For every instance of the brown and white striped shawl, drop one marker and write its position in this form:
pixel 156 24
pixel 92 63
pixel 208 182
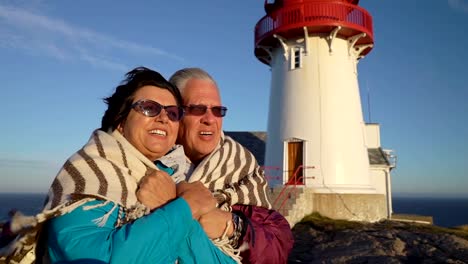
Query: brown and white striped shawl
pixel 233 174
pixel 108 167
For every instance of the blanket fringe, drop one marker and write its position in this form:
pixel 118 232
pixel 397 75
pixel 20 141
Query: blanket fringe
pixel 223 244
pixel 101 221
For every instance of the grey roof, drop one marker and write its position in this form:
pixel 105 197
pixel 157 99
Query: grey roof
pixel 377 157
pixel 255 142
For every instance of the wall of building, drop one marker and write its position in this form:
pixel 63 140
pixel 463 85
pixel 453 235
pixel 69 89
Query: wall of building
pixel 318 102
pixel 372 135
pixel 297 202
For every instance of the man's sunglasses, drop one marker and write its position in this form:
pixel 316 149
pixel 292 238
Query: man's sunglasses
pixel 198 110
pixel 151 109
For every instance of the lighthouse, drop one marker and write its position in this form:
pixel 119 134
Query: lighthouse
pixel 316 132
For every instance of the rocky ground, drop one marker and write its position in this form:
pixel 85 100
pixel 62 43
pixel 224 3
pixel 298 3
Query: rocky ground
pixel 321 240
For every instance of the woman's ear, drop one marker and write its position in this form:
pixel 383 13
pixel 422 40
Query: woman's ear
pixel 120 127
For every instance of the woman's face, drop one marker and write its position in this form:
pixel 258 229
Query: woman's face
pixel 152 136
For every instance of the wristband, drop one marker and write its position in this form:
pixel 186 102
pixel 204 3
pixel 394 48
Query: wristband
pixel 238 226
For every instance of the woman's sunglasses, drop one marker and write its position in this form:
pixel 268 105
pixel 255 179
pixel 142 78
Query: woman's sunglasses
pixel 151 109
pixel 198 110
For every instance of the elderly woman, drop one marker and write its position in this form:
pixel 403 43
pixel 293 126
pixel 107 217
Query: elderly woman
pixel 92 214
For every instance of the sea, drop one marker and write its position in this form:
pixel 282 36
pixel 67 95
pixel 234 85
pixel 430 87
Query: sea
pixel 446 212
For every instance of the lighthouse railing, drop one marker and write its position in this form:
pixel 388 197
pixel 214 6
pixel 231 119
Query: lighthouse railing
pixel 289 189
pixel 310 14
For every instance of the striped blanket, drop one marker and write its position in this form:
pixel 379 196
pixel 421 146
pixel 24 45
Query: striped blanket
pixel 109 168
pixel 233 174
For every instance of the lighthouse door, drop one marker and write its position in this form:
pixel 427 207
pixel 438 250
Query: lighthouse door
pixel 295 160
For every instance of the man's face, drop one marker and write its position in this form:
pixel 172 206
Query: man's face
pixel 200 133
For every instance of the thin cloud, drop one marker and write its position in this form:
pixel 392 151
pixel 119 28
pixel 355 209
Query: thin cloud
pixel 95 61
pixel 41 35
pixel 459 5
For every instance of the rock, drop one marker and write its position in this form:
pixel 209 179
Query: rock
pixel 319 241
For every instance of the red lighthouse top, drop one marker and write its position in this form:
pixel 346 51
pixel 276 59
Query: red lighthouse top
pixel 270 5
pixel 288 18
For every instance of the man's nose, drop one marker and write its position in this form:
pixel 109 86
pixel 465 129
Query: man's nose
pixel 208 117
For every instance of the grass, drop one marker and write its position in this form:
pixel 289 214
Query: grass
pixel 323 223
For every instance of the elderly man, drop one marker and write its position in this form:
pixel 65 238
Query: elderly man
pixel 231 172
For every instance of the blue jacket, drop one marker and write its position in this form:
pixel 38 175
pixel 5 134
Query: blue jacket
pixel 167 234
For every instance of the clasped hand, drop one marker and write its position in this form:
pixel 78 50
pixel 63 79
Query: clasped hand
pixel 157 188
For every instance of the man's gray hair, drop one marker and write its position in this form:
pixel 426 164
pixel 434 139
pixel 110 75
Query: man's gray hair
pixel 180 77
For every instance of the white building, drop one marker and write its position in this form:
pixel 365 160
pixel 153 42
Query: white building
pixel 315 123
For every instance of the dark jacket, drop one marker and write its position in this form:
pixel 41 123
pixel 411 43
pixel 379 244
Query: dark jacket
pixel 268 235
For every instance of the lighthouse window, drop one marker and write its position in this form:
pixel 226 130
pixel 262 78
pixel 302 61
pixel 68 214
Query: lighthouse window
pixel 296 58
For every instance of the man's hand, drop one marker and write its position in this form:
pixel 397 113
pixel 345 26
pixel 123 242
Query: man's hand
pixel 156 189
pixel 199 198
pixel 214 223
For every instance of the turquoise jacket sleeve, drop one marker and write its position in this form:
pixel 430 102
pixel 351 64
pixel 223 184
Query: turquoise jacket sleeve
pixel 75 236
pixel 163 236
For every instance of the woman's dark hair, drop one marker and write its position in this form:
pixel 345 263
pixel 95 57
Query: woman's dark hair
pixel 119 104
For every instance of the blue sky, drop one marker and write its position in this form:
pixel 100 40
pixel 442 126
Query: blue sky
pixel 60 58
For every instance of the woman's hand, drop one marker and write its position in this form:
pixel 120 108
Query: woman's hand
pixel 156 189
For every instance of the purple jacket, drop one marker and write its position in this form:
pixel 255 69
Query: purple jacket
pixel 268 235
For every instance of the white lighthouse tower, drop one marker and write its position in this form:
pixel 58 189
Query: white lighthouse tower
pixel 315 121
